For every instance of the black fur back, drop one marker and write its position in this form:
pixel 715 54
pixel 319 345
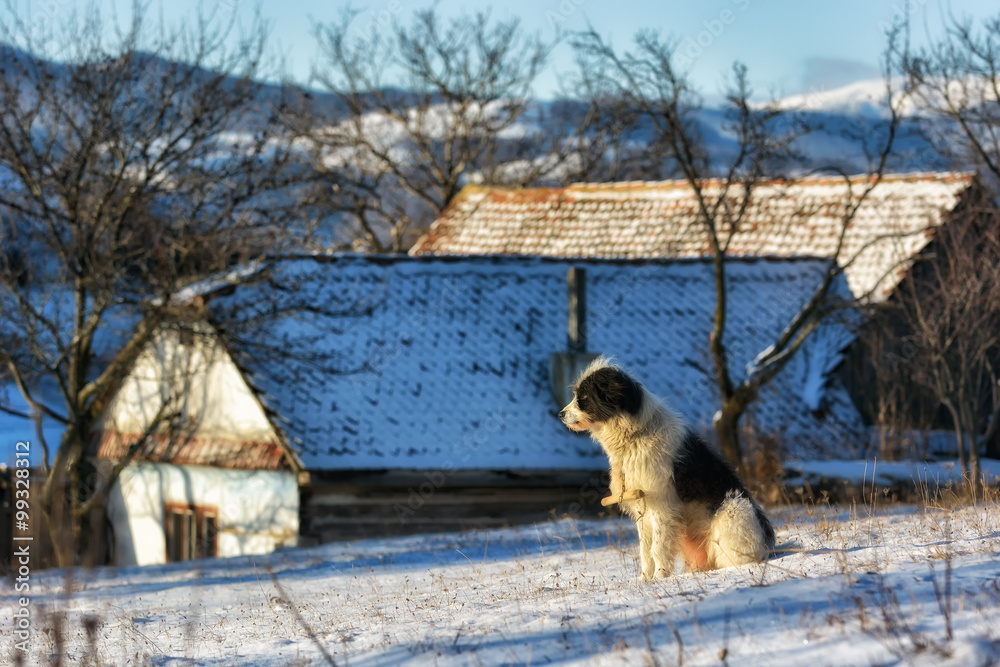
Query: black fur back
pixel 702 475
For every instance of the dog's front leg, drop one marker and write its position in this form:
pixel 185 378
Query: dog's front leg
pixel 664 544
pixel 617 485
pixel 645 528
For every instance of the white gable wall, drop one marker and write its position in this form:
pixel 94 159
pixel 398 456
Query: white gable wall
pixel 258 511
pixel 214 397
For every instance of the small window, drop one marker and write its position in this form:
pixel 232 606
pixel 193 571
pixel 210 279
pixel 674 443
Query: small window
pixel 207 541
pixel 192 532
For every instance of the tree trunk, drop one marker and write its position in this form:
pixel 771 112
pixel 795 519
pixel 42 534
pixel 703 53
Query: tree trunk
pixel 993 444
pixel 973 429
pixel 59 524
pixel 727 430
pixel 974 469
pixel 991 441
pixel 974 475
pixel 959 436
pixel 57 500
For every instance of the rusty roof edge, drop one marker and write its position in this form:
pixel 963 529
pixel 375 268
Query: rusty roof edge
pixel 681 184
pixel 110 439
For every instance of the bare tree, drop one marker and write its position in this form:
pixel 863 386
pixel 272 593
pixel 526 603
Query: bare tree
pixel 429 107
pixel 954 85
pixel 724 190
pixel 595 137
pixel 947 315
pixel 901 410
pixel 144 161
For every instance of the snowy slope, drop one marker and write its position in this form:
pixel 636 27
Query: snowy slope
pixel 860 588
pixel 867 98
pixel 860 98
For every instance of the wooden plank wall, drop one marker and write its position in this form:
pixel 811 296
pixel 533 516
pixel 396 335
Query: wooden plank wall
pixel 372 505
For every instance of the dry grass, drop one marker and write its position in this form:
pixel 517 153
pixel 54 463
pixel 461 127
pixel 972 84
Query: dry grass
pixel 568 590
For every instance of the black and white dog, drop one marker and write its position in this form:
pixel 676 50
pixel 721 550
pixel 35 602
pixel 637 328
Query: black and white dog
pixel 693 505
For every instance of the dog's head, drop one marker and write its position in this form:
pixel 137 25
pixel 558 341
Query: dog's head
pixel 602 392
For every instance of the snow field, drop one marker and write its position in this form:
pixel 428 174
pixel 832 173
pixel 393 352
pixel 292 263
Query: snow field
pixel 855 586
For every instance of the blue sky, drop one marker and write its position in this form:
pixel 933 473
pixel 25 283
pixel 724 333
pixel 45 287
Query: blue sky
pixel 789 46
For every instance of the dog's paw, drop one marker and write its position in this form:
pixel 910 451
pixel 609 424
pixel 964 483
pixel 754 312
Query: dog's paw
pixel 658 573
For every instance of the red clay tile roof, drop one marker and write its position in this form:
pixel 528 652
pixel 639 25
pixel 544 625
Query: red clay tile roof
pixel 645 220
pixel 219 452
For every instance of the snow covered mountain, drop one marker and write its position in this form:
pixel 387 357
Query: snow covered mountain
pixel 843 118
pixel 859 99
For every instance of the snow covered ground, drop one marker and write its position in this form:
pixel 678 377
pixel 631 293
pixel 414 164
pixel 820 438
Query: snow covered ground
pixel 886 586
pixel 860 472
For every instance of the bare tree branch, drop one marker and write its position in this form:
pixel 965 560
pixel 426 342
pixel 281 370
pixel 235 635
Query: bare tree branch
pixel 144 161
pixel 954 83
pixel 724 192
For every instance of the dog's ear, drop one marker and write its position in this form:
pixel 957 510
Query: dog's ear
pixel 607 392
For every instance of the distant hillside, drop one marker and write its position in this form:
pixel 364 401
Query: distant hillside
pixel 840 115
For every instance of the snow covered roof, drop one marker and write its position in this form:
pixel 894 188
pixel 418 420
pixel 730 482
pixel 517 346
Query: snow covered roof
pixel 644 220
pixel 443 363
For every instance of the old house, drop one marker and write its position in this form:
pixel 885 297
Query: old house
pixel 423 396
pixel 421 391
pixel 215 479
